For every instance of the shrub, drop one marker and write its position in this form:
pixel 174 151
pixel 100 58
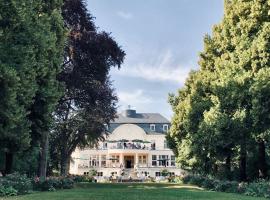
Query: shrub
pixel 164 172
pixel 67 183
pixel 226 186
pixel 53 183
pixel 186 179
pixel 20 183
pixel 79 179
pixel 177 179
pixel 260 188
pixel 208 184
pixel 7 191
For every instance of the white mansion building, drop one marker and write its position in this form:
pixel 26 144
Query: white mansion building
pixel 136 148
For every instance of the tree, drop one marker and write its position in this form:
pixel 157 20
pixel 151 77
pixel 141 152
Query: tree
pixel 89 101
pixel 31 45
pixel 18 77
pixel 49 58
pixel 234 58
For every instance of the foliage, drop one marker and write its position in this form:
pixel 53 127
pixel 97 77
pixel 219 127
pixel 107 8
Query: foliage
pixel 221 117
pixel 54 183
pixel 31 45
pixel 18 182
pixel 92 172
pixel 89 100
pixel 260 188
pixel 7 191
pixel 164 172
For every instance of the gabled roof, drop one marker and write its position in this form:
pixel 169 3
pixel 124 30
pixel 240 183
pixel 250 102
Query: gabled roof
pixel 141 118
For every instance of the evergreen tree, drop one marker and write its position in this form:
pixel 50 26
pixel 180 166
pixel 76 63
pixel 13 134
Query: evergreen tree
pixel 49 58
pixel 18 75
pixel 31 36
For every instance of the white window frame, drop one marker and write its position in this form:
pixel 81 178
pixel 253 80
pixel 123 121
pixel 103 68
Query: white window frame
pixel 166 145
pixel 152 127
pixel 154 160
pixel 167 127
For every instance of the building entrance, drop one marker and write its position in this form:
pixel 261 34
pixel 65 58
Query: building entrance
pixel 129 161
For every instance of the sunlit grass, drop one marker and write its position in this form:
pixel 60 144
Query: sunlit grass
pixel 138 191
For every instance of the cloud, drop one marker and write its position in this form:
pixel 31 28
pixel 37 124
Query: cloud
pixel 125 15
pixel 133 98
pixel 164 68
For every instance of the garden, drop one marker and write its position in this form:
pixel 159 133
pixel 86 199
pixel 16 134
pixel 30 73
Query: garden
pixel 16 186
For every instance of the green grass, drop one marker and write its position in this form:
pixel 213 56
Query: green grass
pixel 146 191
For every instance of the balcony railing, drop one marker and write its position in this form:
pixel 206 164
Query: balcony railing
pixel 118 165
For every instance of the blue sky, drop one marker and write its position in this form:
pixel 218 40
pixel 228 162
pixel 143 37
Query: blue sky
pixel 162 40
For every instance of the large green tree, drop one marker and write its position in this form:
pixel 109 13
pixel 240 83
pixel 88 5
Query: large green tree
pixel 49 62
pixel 18 75
pixel 31 45
pixel 234 71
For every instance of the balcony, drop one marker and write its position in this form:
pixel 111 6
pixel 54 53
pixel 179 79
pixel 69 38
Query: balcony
pixel 129 145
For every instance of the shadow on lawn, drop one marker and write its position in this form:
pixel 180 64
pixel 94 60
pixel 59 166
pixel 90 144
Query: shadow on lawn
pixel 137 186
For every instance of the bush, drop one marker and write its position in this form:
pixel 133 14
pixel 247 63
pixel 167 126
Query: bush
pixel 67 183
pixel 7 191
pixel 164 172
pixel 260 188
pixel 18 182
pixel 226 186
pixel 208 184
pixel 53 183
pixel 177 179
pixel 78 179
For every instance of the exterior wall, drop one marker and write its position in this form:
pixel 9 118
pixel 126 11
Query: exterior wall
pixel 114 154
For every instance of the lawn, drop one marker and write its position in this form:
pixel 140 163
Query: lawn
pixel 132 192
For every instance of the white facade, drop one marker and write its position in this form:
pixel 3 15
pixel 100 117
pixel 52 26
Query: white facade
pixel 129 151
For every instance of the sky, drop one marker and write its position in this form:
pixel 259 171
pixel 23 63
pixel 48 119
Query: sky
pixel 162 40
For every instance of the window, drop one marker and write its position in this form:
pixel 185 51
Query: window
pixel 100 174
pixel 163 160
pixel 115 159
pixel 106 127
pixel 154 160
pixel 103 160
pixel 165 127
pixel 85 173
pixel 105 145
pixel 158 174
pixel 94 160
pixel 153 145
pixel 142 159
pixel 114 173
pixel 171 174
pixel 152 127
pixel 166 146
pixel 172 160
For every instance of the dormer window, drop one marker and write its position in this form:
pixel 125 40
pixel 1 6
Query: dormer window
pixel 165 127
pixel 106 127
pixel 152 127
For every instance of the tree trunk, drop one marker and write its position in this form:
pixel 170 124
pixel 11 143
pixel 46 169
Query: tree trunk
pixel 65 164
pixel 262 160
pixel 228 167
pixel 8 162
pixel 243 162
pixel 44 156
